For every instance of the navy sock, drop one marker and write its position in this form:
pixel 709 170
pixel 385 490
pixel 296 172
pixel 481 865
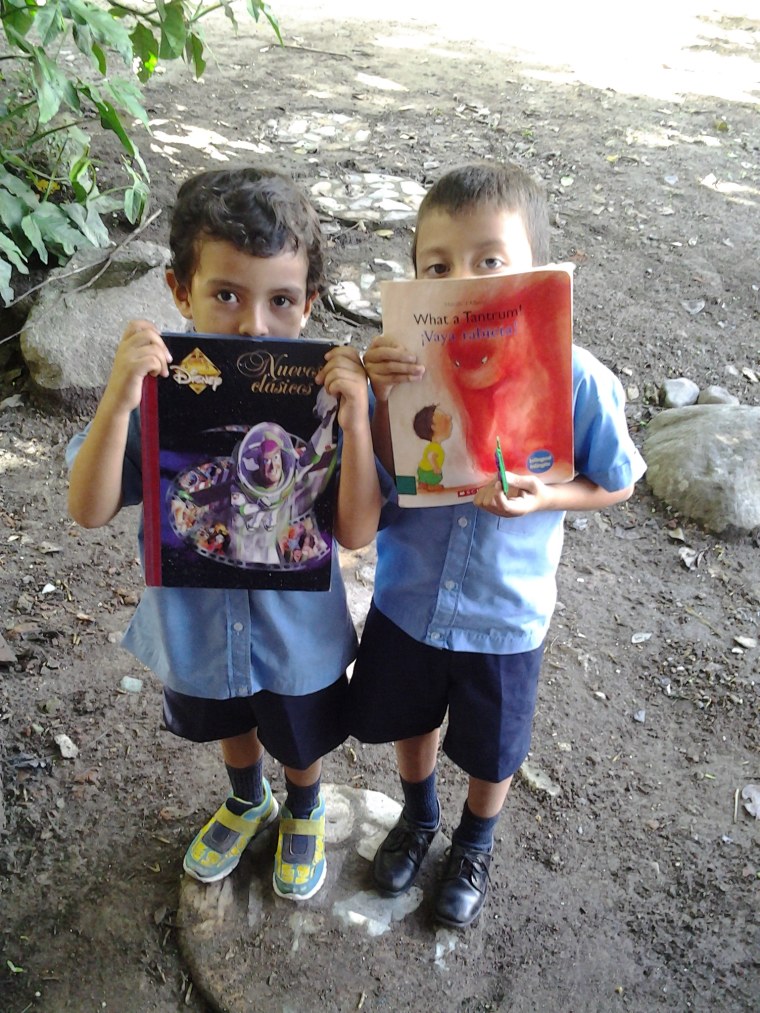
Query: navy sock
pixel 247 785
pixel 421 802
pixel 475 832
pixel 302 801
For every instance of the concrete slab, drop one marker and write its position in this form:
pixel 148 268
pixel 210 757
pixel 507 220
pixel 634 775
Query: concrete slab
pixel 346 949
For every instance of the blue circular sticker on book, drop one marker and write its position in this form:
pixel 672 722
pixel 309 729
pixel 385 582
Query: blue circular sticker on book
pixel 540 461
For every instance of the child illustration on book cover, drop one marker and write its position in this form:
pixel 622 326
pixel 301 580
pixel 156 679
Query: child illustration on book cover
pixel 433 425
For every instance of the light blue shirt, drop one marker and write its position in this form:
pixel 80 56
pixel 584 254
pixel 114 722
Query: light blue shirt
pixel 220 643
pixel 459 578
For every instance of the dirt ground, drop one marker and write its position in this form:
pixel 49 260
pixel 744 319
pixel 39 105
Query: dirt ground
pixel 635 888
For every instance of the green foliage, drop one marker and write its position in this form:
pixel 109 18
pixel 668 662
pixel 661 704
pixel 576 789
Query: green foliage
pixel 50 203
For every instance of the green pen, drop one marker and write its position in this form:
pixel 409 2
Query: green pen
pixel 500 465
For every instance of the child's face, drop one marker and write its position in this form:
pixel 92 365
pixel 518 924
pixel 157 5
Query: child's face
pixel 232 292
pixel 441 426
pixel 478 241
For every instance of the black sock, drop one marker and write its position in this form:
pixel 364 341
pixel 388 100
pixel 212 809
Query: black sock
pixel 475 832
pixel 302 801
pixel 247 785
pixel 421 802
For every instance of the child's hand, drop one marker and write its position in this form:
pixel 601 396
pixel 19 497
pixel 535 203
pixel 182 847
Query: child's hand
pixel 387 364
pixel 344 378
pixel 141 352
pixel 526 495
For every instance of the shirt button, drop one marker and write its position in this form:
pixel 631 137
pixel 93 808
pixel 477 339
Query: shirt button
pixel 435 636
pixel 237 627
pixel 462 522
pixel 450 585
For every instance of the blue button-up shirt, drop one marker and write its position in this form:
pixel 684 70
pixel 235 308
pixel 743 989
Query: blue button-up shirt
pixel 460 578
pixel 222 643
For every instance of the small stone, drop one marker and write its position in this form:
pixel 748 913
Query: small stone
pixel 538 781
pixel 67 748
pixel 640 638
pixel 130 684
pixel 640 716
pixel 716 395
pixel 678 393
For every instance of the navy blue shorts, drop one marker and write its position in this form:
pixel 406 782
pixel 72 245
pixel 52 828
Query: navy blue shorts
pixel 296 730
pixel 401 688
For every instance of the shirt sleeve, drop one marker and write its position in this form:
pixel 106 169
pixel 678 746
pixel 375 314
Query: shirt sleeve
pixel 604 450
pixel 131 475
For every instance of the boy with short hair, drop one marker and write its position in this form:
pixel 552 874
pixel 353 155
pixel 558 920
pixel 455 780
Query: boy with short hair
pixel 258 669
pixel 464 594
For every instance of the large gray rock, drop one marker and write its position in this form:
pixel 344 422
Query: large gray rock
pixel 74 326
pixel 704 462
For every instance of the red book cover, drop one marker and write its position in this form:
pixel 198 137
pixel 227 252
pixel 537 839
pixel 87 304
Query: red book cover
pixel 498 364
pixel 239 453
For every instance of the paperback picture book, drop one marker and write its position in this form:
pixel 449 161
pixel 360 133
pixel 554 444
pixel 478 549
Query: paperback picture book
pixel 497 353
pixel 239 451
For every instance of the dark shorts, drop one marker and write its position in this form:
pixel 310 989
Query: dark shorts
pixel 401 688
pixel 296 730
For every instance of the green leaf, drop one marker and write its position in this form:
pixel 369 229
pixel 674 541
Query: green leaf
pixel 229 12
pixel 105 203
pixel 13 253
pixel 145 48
pixel 173 31
pixel 82 178
pixel 109 118
pixel 17 187
pixel 99 58
pixel 11 210
pixel 18 15
pixel 274 24
pixel 6 292
pixel 59 234
pixel 32 232
pixel 49 23
pixel 194 53
pixel 53 87
pixel 13 969
pixel 105 29
pixel 127 96
pixel 256 8
pixel 135 201
pixel 89 223
pixel 83 38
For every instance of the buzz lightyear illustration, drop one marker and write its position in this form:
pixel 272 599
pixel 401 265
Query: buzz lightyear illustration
pixel 263 496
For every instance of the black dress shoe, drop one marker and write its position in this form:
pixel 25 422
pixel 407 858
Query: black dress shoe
pixel 463 886
pixel 399 857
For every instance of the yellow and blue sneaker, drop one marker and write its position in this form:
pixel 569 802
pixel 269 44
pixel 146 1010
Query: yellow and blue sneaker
pixel 299 864
pixel 218 847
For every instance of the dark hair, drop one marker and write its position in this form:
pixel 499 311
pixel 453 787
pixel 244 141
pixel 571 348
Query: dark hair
pixel 258 211
pixel 505 186
pixel 423 422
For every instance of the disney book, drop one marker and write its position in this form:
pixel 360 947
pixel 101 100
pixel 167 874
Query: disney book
pixel 497 353
pixel 239 452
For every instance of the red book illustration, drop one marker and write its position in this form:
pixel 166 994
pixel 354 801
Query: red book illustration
pixel 498 365
pixel 239 451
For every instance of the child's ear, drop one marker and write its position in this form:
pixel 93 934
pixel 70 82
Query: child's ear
pixel 307 308
pixel 181 294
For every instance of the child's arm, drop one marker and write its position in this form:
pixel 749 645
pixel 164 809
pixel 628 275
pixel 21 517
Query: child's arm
pixel 95 484
pixel 387 364
pixel 359 502
pixel 528 494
